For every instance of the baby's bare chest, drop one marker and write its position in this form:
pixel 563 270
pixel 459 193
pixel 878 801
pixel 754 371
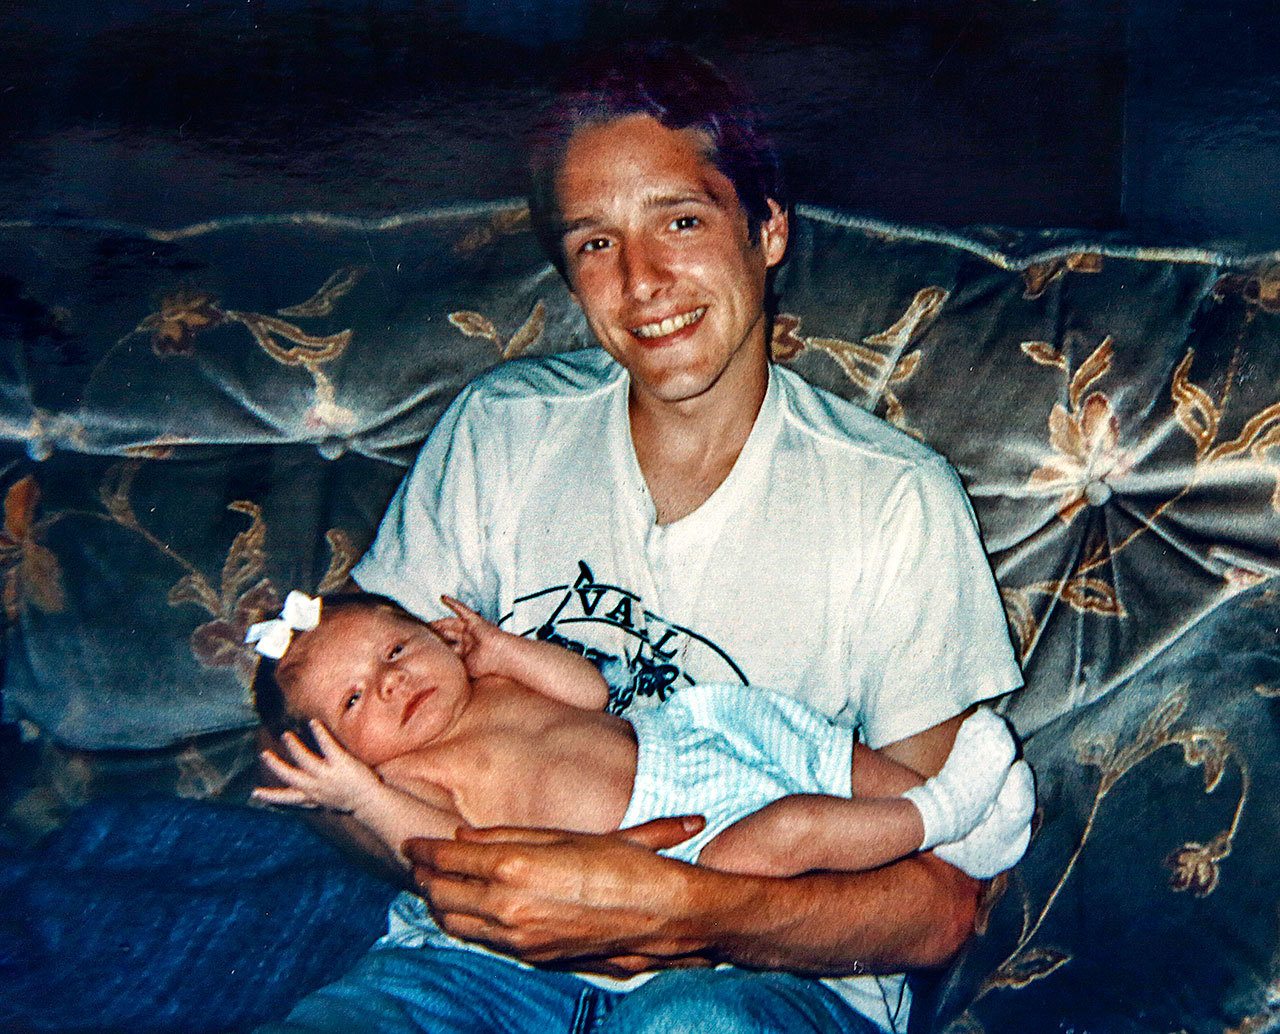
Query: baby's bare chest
pixel 573 773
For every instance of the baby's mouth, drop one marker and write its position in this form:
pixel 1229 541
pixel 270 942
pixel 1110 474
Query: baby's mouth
pixel 414 702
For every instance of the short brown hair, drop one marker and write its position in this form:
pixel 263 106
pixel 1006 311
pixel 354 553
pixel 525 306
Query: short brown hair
pixel 679 90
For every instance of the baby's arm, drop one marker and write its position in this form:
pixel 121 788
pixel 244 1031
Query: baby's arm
pixel 544 667
pixel 337 780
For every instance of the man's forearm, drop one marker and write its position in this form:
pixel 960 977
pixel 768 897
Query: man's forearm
pixel 913 914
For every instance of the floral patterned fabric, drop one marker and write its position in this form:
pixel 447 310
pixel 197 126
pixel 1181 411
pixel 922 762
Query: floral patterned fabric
pixel 196 421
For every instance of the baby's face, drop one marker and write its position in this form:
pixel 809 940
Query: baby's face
pixel 383 683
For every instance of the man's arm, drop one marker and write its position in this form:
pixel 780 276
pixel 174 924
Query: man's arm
pixel 546 895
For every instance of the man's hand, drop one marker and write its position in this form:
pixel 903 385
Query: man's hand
pixel 552 896
pixel 333 779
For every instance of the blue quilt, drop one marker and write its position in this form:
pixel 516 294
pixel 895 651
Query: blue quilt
pixel 169 915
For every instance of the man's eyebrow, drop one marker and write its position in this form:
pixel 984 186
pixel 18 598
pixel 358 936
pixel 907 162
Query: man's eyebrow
pixel 654 201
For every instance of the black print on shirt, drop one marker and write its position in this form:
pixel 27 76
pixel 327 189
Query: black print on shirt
pixel 654 652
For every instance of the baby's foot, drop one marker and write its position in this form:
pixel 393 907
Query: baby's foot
pixel 954 801
pixel 999 840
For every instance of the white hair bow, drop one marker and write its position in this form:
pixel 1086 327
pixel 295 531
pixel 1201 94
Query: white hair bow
pixel 301 613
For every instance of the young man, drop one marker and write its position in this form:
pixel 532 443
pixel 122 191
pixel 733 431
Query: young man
pixel 674 504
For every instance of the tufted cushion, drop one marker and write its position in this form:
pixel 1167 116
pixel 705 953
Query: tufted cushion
pixel 196 421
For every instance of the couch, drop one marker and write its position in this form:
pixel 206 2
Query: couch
pixel 196 420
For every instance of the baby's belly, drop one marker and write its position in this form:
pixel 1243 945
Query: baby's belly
pixel 570 781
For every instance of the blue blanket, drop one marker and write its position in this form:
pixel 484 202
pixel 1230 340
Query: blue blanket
pixel 168 915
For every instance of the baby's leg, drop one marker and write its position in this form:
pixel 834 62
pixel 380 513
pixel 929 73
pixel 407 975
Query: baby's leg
pixel 805 832
pixel 954 801
pixel 999 840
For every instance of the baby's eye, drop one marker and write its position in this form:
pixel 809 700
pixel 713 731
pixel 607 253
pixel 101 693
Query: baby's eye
pixel 352 700
pixel 685 222
pixel 395 651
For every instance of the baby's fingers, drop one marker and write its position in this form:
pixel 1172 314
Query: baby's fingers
pixel 461 609
pixel 299 753
pixel 283 795
pixel 329 747
pixel 451 630
pixel 280 768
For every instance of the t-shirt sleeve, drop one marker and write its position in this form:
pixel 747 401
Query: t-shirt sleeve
pixel 433 537
pixel 935 628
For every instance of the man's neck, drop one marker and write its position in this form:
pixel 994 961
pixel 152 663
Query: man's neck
pixel 686 449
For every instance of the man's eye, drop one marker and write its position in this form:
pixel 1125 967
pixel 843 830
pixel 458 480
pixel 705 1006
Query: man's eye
pixel 595 244
pixel 685 222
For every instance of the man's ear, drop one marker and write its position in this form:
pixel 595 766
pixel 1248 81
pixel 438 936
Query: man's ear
pixel 774 234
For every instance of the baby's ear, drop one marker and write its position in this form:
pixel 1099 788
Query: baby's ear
pixel 453 632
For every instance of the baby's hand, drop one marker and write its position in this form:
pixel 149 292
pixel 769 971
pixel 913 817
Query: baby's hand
pixel 334 778
pixel 481 644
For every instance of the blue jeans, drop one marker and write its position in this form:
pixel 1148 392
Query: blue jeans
pixel 454 991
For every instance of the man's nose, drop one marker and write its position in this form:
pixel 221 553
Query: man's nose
pixel 644 270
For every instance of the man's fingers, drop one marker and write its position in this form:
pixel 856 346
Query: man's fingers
pixel 455 897
pixel 454 858
pixel 662 833
pixel 511 835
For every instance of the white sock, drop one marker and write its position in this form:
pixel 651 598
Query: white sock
pixel 1000 840
pixel 954 801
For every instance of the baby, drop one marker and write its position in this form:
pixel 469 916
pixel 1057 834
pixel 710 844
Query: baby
pixel 421 729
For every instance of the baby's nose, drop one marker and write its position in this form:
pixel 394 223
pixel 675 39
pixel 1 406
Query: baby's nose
pixel 393 683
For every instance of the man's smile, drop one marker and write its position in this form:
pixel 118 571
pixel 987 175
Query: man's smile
pixel 664 327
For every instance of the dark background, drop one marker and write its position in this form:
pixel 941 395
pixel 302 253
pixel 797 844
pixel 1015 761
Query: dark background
pixel 1153 119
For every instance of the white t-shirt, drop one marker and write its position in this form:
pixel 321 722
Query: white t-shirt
pixel 839 562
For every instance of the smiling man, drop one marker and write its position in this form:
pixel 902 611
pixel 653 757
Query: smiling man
pixel 679 510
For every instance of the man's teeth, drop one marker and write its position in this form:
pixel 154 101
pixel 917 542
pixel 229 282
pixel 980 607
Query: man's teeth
pixel 670 325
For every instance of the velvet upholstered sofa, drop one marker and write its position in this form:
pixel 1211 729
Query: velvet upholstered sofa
pixel 195 421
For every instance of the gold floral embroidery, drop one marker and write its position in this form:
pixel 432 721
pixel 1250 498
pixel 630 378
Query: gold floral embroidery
pixel 1086 465
pixel 1027 967
pixel 1084 593
pixel 510 220
pixel 244 596
pixel 1201 419
pixel 244 593
pixel 199 777
pixel 474 324
pixel 1195 866
pixel 1261 288
pixel 1038 276
pixel 1086 461
pixel 342 558
pixel 186 314
pixel 785 344
pixel 183 315
pixel 877 365
pixel 31 570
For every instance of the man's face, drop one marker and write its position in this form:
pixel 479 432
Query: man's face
pixel 659 257
pixel 383 683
